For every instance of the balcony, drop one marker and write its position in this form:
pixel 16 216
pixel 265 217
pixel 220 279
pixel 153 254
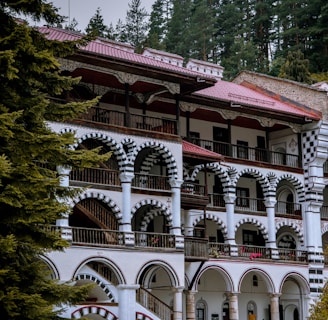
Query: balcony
pixel 324 212
pixel 250 154
pixel 193 195
pixel 135 121
pixel 246 204
pixel 288 209
pixel 151 182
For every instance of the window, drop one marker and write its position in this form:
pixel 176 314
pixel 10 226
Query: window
pixel 242 149
pixel 194 137
pixel 201 310
pixel 242 197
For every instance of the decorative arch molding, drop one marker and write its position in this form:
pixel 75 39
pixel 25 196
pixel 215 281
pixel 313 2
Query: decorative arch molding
pixel 256 223
pixel 299 188
pixel 324 229
pixel 112 265
pixel 260 178
pixel 158 209
pixel 51 266
pixel 114 146
pixel 226 277
pixel 104 199
pixel 103 286
pixel 299 279
pixel 267 279
pixel 214 218
pixel 147 269
pixel 130 146
pixel 161 151
pixel 291 224
pixel 102 312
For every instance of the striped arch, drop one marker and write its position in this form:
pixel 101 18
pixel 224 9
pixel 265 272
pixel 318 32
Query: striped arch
pixel 262 180
pixel 162 152
pixel 115 147
pixel 254 222
pixel 214 218
pixel 103 286
pixel 102 312
pixel 129 145
pixel 104 199
pixel 299 188
pixel 158 208
pixel 142 316
pixel 293 226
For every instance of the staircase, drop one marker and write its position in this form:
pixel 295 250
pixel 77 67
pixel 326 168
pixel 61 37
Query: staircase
pixel 153 304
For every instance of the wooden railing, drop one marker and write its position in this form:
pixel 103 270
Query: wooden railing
pixel 248 153
pixel 324 212
pixel 196 248
pixel 250 204
pixel 154 240
pixel 153 304
pixel 216 200
pixel 289 209
pixel 136 121
pixel 150 181
pixel 97 176
pixel 193 188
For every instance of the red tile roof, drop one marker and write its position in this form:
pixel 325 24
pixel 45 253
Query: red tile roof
pixel 191 150
pixel 106 49
pixel 243 95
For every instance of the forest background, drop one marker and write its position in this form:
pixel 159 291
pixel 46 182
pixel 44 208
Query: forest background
pixel 265 36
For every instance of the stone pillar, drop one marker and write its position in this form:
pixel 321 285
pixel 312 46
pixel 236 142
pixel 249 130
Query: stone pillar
pixel 274 306
pixel 126 178
pixel 313 227
pixel 63 222
pixel 230 208
pixel 177 303
pixel 127 301
pixel 270 203
pixel 176 206
pixel 233 306
pixel 190 305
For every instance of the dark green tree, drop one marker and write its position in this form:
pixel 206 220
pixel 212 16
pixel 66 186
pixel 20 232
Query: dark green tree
pixel 72 26
pixel 177 39
pixel 96 25
pixel 31 197
pixel 296 68
pixel 136 26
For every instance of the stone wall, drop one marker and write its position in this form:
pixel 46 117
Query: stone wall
pixel 304 94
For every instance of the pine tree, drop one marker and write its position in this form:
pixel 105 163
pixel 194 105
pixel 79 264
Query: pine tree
pixel 96 26
pixel 72 26
pixel 30 191
pixel 296 68
pixel 136 26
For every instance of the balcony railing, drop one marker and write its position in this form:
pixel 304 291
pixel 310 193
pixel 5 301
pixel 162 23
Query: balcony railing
pixel 250 204
pixel 136 121
pixel 196 249
pixel 154 240
pixel 152 182
pixel 193 188
pixel 324 212
pixel 216 200
pixel 96 176
pixel 248 153
pixel 289 209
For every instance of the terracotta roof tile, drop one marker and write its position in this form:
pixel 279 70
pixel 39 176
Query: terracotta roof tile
pixel 192 150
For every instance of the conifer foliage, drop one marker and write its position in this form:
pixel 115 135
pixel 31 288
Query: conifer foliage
pixel 30 192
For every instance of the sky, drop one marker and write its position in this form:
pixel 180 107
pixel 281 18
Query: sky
pixel 83 10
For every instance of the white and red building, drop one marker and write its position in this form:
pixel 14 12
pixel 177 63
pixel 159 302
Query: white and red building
pixel 212 205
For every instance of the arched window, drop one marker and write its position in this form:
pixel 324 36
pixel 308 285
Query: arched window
pixel 201 307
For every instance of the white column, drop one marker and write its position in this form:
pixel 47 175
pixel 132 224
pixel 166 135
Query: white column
pixel 313 227
pixel 126 178
pixel 270 203
pixel 190 305
pixel 230 208
pixel 233 306
pixel 63 182
pixel 127 301
pixel 176 206
pixel 274 307
pixel 177 303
